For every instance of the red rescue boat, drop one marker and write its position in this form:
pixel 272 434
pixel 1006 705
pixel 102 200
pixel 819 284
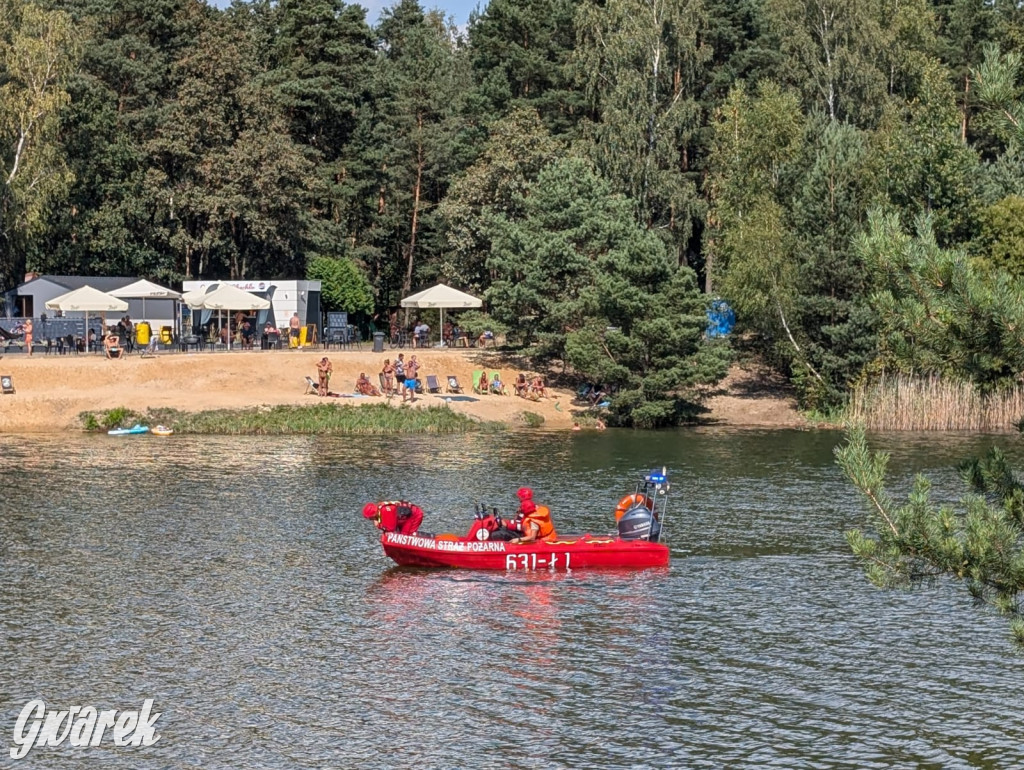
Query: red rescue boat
pixel 636 545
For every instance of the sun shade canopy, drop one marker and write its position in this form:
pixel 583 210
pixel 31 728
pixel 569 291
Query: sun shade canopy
pixel 88 300
pixel 145 290
pixel 441 296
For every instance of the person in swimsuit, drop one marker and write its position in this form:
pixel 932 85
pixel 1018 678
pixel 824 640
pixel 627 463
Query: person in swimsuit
pixel 324 370
pixel 365 387
pixel 411 370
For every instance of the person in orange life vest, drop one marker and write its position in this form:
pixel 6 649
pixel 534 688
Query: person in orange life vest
pixel 536 524
pixel 395 516
pixel 533 521
pixel 512 528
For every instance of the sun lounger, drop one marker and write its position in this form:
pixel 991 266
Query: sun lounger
pixel 480 388
pixel 433 386
pixel 453 384
pixel 311 386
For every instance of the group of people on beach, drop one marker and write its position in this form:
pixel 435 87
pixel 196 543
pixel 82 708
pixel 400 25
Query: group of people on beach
pixel 532 389
pixel 325 369
pixel 401 377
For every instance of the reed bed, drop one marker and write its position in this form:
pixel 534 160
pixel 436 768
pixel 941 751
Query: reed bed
pixel 903 402
pixel 320 419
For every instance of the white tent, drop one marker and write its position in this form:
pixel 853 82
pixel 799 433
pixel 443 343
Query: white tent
pixel 87 299
pixel 145 290
pixel 441 296
pixel 223 296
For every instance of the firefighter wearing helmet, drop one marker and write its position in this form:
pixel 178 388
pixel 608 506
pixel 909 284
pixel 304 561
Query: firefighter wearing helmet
pixel 534 521
pixel 395 516
pixel 512 529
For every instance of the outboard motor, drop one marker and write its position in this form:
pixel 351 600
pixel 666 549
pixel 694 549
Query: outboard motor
pixel 644 518
pixel 638 523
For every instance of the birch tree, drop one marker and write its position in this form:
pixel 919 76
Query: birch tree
pixel 638 61
pixel 38 51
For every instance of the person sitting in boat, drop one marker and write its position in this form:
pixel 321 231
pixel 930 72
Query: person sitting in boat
pixel 395 516
pixel 515 530
pixel 536 523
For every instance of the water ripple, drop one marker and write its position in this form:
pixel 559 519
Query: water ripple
pixel 233 581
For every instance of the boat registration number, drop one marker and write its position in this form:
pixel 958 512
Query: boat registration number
pixel 526 561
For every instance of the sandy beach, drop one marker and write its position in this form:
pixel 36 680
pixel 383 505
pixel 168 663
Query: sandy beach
pixel 53 390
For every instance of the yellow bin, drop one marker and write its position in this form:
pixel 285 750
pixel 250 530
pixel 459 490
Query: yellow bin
pixel 142 333
pixel 303 336
pixel 165 336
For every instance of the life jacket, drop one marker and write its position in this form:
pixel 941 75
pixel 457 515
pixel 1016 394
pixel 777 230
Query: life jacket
pixel 542 518
pixel 629 501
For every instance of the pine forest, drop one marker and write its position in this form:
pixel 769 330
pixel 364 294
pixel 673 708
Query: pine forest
pixel 847 174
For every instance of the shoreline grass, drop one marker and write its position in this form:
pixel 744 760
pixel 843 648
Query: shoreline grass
pixel 318 419
pixel 905 403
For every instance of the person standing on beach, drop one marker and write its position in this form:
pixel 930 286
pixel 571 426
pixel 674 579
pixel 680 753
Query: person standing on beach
pixel 411 372
pixel 324 370
pixel 293 330
pixel 400 374
pixel 28 335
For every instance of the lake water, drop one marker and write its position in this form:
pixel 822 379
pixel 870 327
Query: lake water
pixel 234 582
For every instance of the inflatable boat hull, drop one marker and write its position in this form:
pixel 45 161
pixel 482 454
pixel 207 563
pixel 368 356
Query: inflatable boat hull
pixel 568 552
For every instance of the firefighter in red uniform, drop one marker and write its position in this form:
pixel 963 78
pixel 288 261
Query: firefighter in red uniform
pixel 395 516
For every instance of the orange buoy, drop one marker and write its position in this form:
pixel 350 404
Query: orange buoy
pixel 630 501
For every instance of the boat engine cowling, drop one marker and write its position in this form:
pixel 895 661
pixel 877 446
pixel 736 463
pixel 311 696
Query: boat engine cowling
pixel 638 523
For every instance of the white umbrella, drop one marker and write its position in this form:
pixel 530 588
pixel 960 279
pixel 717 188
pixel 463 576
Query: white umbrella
pixel 145 290
pixel 87 299
pixel 224 296
pixel 441 296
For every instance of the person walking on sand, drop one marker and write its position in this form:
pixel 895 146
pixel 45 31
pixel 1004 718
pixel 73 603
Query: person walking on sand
pixel 293 330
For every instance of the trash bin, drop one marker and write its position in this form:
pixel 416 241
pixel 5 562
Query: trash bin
pixel 378 342
pixel 165 336
pixel 142 333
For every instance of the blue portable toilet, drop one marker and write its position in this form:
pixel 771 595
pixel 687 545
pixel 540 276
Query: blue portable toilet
pixel 721 318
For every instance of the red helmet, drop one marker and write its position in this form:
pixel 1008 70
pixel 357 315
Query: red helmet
pixel 369 510
pixel 528 507
pixel 525 493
